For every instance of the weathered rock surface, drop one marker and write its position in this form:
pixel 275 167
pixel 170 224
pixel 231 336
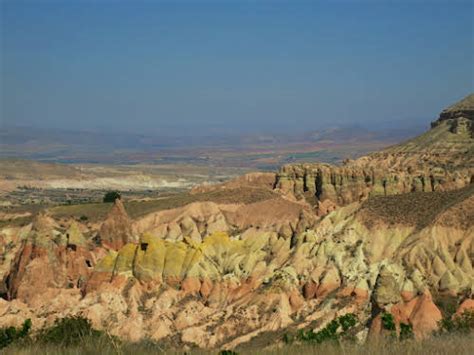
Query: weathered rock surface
pixel 252 180
pixel 230 287
pixel 439 160
pixel 48 260
pixel 392 232
pixel 463 108
pixel 116 231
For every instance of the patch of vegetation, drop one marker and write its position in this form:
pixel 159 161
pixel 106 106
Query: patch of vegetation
pixel 92 211
pixel 419 209
pixel 16 222
pixel 68 331
pixel 406 331
pixel 11 334
pixel 347 321
pixel 388 323
pixel 135 209
pixel 111 196
pixel 451 343
pixel 463 323
pixel 336 330
pixel 447 304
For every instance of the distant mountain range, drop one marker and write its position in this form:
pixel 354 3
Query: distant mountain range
pixel 69 146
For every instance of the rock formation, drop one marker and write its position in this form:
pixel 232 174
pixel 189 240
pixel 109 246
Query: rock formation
pixel 48 260
pixel 116 231
pixel 438 160
pixel 461 109
pixel 391 232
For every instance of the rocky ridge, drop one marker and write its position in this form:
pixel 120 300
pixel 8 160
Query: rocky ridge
pixel 438 160
pixel 391 232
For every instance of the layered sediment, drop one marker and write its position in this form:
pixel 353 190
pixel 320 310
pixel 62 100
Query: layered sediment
pixel 441 159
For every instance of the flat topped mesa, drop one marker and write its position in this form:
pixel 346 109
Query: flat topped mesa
pixel 459 117
pixel 463 108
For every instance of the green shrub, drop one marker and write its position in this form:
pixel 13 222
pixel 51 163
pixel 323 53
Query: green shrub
pixel 68 331
pixel 331 332
pixel 11 334
pixel 348 321
pixel 406 331
pixel 388 323
pixel 463 323
pixel 448 305
pixel 288 338
pixel 111 196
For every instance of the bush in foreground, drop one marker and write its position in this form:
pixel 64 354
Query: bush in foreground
pixel 11 334
pixel 75 335
pixel 336 329
pixel 388 323
pixel 463 323
pixel 68 331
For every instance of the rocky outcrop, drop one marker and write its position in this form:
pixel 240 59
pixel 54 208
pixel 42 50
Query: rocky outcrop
pixel 368 266
pixel 48 260
pixel 10 244
pixel 393 233
pixel 228 288
pixel 459 117
pixel 250 180
pixel 116 231
pixel 463 108
pixel 199 219
pixel 439 160
pixel 326 187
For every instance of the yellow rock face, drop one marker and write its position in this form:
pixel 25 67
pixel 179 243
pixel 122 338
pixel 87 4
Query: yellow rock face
pixel 155 259
pixel 74 235
pixel 107 263
pixel 150 258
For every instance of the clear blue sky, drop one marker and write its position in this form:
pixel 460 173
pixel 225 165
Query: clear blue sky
pixel 158 66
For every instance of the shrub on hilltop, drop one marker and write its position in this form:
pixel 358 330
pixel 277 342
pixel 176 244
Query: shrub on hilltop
pixel 111 196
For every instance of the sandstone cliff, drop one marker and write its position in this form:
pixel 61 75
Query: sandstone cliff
pixel 438 160
pixel 463 108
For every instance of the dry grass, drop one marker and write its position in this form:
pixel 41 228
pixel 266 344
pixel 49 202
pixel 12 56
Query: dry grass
pixel 96 212
pixel 416 208
pixel 135 209
pixel 451 344
pixel 458 345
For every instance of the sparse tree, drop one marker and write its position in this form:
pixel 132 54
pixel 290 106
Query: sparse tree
pixel 111 196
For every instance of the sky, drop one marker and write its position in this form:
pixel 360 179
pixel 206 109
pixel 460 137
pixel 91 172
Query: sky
pixel 232 66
